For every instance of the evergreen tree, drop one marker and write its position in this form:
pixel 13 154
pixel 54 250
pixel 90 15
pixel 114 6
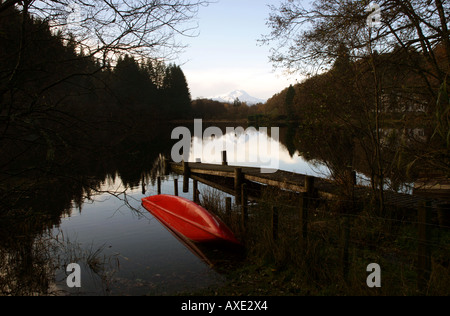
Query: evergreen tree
pixel 289 102
pixel 176 93
pixel 137 95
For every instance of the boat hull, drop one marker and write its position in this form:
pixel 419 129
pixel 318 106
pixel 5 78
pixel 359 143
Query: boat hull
pixel 187 219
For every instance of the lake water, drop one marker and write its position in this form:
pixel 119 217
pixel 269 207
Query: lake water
pixel 142 257
pixel 99 223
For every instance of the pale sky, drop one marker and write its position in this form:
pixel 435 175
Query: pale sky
pixel 226 55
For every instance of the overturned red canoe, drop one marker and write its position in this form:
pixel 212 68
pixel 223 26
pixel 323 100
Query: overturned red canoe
pixel 188 219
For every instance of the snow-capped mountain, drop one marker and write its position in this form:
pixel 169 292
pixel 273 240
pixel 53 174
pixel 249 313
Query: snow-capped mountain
pixel 238 94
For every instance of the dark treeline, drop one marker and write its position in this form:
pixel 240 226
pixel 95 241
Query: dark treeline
pixel 61 108
pixel 405 88
pixel 215 110
pixel 42 72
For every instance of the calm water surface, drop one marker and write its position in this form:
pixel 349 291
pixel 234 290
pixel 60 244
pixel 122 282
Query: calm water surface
pixel 90 213
pixel 139 255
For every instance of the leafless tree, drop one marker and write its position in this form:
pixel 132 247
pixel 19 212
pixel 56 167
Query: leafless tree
pixel 307 38
pixel 310 35
pixel 107 27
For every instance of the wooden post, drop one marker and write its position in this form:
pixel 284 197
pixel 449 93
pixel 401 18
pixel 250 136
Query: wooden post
pixel 275 222
pixel 196 192
pixel 175 186
pixel 186 176
pixel 244 205
pixel 306 196
pixel 238 184
pixel 309 186
pixel 224 158
pixel 423 247
pixel 304 221
pixel 166 166
pixel 159 185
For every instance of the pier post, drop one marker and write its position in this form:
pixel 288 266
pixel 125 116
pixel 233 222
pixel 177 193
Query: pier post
pixel 159 185
pixel 244 205
pixel 309 186
pixel 196 192
pixel 306 202
pixel 186 176
pixel 175 186
pixel 237 184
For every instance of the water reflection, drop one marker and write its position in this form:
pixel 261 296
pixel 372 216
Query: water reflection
pixel 147 259
pixel 252 147
pixel 88 211
pixel 69 211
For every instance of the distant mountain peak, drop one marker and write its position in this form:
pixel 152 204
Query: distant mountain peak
pixel 242 95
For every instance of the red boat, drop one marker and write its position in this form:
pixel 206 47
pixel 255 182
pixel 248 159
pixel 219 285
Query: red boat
pixel 188 219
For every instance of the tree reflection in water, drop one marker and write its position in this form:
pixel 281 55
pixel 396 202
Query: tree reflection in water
pixel 36 196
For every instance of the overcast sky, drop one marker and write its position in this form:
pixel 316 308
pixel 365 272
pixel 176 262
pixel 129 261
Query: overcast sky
pixel 226 55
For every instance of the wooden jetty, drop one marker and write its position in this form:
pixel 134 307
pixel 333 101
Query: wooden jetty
pixel 230 179
pixel 280 179
pixel 245 183
pixel 433 185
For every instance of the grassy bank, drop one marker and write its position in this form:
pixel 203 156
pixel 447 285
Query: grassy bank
pixel 342 241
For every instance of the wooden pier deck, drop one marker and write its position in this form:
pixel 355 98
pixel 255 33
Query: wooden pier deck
pixel 281 179
pixel 232 177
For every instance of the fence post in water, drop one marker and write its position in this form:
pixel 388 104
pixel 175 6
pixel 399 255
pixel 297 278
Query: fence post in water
pixel 244 205
pixel 159 185
pixel 423 247
pixel 196 192
pixel 238 184
pixel 306 196
pixel 186 175
pixel 175 186
pixel 275 222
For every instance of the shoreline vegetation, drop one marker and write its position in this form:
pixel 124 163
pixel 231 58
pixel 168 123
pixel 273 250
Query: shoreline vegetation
pixel 344 237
